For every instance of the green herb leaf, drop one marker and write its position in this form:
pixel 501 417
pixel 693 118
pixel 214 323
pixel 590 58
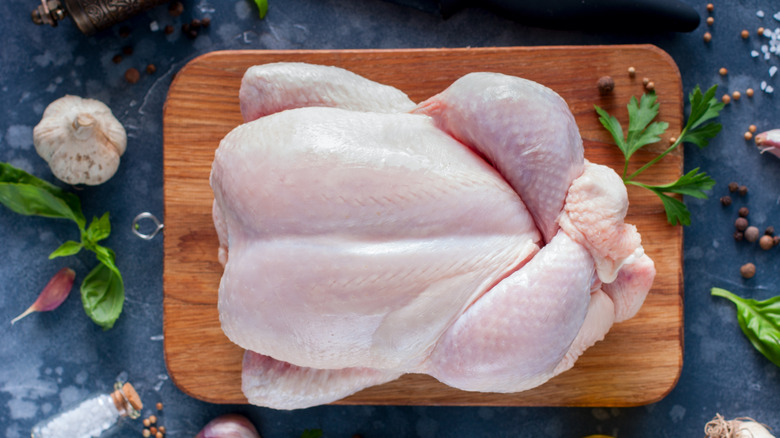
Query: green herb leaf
pixel 262 7
pixel 99 229
pixel 311 433
pixel 103 294
pixel 643 131
pixel 26 194
pixel 760 322
pixel 68 248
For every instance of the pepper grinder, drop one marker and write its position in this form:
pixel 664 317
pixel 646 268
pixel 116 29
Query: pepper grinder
pixel 90 15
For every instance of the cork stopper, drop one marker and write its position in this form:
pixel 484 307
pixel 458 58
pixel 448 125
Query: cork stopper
pixel 127 401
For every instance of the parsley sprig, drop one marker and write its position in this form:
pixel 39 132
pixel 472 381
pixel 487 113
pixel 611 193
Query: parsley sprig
pixel 642 131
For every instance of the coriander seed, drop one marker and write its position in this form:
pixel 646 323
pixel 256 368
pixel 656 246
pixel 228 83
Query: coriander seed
pixel 736 95
pixel 707 37
pixel 760 31
pixel 152 419
pixel 159 406
pixel 146 422
pixel 726 99
pixel 745 34
pixel 751 233
pixel 158 434
pixel 752 128
pixel 766 242
pixel 749 92
pixel 723 71
pixel 748 135
pixel 650 86
pixel 146 433
pixel 748 270
pixel 710 20
pixel 672 140
pixel 710 7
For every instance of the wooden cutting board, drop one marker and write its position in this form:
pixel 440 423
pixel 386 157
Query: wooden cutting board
pixel 638 362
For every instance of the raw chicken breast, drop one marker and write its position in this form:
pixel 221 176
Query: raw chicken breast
pixel 364 237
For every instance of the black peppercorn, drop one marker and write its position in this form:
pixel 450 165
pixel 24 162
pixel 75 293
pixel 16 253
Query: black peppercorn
pixel 743 212
pixel 770 231
pixel 738 236
pixel 725 200
pixel 743 190
pixel 175 8
pixel 733 187
pixel 741 224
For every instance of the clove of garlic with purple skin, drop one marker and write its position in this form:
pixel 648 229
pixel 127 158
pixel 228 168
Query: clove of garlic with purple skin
pixel 229 426
pixel 769 141
pixel 53 294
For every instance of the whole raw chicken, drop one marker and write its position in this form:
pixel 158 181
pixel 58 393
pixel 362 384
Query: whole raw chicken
pixel 364 236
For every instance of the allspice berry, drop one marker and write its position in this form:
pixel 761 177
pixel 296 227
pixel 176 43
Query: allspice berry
pixel 741 224
pixel 606 84
pixel 766 242
pixel 748 270
pixel 132 75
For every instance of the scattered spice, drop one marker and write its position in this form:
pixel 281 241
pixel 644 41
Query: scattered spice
pixel 606 84
pixel 770 231
pixel 710 7
pixel 725 200
pixel 748 270
pixel 745 34
pixel 672 140
pixel 124 31
pixel 175 8
pixel 168 29
pixel 132 75
pixel 733 187
pixel 159 406
pixel 153 430
pixel 760 31
pixel 127 50
pixel 158 435
pixel 707 37
pixel 650 86
pixel 752 128
pixel 151 69
pixel 205 22
pixel 743 190
pixel 631 72
pixel 748 135
pixel 726 99
pixel 645 81
pixel 751 233
pixel 743 212
pixel 146 433
pixel 153 419
pixel 161 429
pixel 146 422
pixel 776 240
pixel 723 71
pixel 195 24
pixel 710 20
pixel 739 235
pixel 116 59
pixel 736 95
pixel 766 242
pixel 749 92
pixel 741 224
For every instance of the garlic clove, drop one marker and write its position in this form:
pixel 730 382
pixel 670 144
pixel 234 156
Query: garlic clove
pixel 229 426
pixel 81 140
pixel 769 141
pixel 55 292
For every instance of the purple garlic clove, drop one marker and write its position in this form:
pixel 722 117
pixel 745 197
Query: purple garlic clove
pixel 769 141
pixel 229 426
pixel 53 294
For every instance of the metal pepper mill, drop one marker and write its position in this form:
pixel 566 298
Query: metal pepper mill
pixel 91 15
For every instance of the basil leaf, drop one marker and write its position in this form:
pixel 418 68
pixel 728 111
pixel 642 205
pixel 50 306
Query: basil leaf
pixel 760 322
pixel 262 7
pixel 99 229
pixel 103 294
pixel 68 248
pixel 29 195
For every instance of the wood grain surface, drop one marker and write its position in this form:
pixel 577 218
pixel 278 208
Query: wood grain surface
pixel 639 361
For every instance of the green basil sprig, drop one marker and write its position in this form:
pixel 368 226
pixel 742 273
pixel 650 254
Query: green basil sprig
pixel 760 322
pixel 102 290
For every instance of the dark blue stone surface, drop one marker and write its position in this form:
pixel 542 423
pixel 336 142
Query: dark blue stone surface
pixel 51 360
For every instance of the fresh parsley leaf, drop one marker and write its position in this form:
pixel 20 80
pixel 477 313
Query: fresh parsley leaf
pixel 642 130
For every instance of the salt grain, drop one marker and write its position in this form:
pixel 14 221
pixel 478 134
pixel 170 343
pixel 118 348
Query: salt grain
pixel 772 71
pixel 769 89
pixel 763 85
pixel 754 54
pixel 154 26
pixel 760 14
pixel 776 16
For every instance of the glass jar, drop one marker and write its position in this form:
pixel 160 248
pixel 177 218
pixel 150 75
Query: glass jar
pixel 94 416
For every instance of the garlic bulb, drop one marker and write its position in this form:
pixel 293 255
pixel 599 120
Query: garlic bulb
pixel 80 139
pixel 229 426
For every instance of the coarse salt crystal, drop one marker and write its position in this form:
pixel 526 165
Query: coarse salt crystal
pixel 760 14
pixel 767 33
pixel 753 53
pixel 764 48
pixel 776 16
pixel 153 26
pixel 772 71
pixel 769 89
pixel 763 85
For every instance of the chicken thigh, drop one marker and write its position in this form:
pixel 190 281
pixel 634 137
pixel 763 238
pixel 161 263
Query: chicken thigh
pixel 364 237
